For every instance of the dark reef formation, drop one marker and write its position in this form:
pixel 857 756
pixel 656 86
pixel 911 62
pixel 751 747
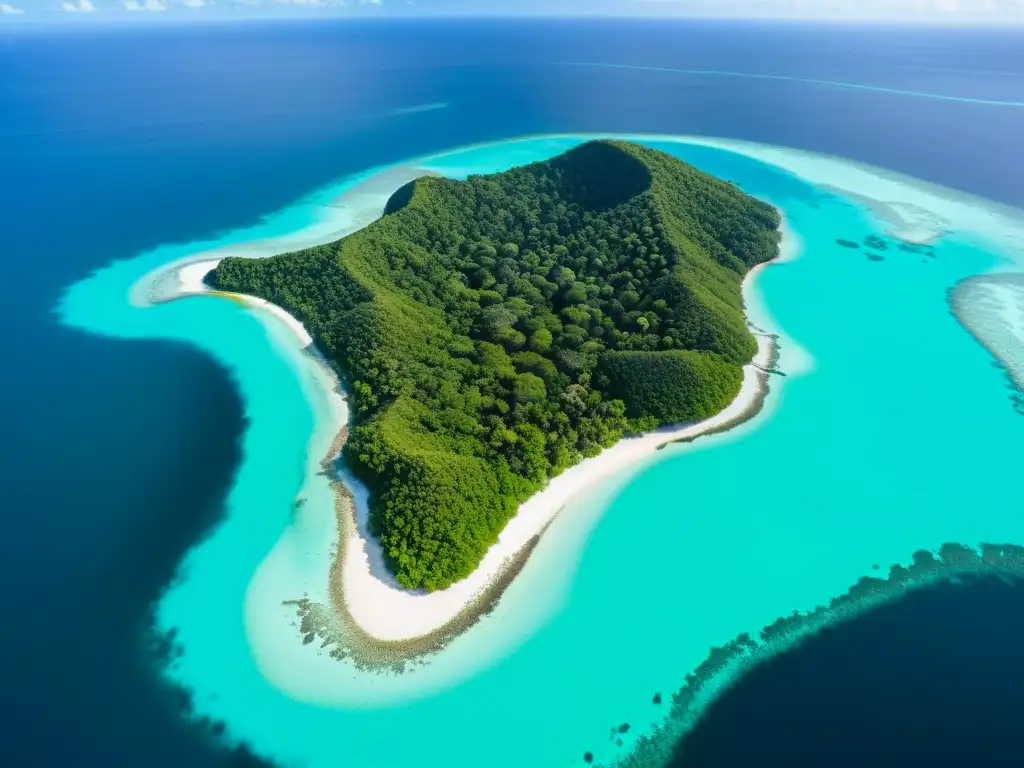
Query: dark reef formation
pixel 876 242
pixel 934 678
pixel 725 663
pixel 919 248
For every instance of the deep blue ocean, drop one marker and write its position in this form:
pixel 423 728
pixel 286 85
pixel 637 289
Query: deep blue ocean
pixel 115 456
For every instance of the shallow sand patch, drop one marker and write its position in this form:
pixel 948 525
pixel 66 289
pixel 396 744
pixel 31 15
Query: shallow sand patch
pixel 991 308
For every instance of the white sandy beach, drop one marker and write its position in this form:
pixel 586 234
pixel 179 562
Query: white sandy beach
pixel 190 279
pixel 374 600
pixel 390 613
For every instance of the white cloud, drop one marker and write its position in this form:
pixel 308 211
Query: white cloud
pixel 851 9
pixel 78 6
pixel 9 10
pixel 194 3
pixel 135 6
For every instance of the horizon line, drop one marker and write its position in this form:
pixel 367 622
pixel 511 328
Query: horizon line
pixel 227 14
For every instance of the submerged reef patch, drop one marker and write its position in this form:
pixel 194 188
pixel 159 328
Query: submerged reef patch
pixel 343 639
pixel 876 242
pixel 922 249
pixel 724 664
pixel 905 221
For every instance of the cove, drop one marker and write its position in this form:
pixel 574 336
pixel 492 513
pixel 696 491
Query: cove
pixel 891 432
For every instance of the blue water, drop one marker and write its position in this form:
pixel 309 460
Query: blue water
pixel 934 679
pixel 118 456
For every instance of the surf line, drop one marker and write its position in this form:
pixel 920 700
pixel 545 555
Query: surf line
pixel 790 79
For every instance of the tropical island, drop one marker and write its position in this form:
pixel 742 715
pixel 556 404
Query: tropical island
pixel 496 331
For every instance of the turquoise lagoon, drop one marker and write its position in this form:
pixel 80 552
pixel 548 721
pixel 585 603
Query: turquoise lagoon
pixel 891 432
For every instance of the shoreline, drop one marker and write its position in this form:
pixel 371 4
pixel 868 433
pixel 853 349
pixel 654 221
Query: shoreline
pixel 373 621
pixel 590 590
pixel 388 613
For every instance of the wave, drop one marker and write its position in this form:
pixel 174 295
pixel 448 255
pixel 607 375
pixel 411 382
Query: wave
pixel 791 79
pixel 416 109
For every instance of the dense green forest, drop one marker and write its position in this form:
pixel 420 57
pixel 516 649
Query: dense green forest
pixel 497 330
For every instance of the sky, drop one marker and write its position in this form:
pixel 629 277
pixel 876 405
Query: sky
pixel 932 11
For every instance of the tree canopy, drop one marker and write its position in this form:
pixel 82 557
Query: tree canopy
pixel 497 330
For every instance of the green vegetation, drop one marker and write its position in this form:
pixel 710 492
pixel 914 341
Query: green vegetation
pixel 671 386
pixel 497 330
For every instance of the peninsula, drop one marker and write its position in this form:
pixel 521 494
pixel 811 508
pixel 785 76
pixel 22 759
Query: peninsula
pixel 496 331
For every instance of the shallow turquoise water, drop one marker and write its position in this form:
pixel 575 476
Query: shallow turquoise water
pixel 899 437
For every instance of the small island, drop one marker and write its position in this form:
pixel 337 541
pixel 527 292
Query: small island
pixel 496 331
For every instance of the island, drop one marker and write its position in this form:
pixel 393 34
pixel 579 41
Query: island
pixel 495 331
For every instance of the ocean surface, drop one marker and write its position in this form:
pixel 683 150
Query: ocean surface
pixel 145 480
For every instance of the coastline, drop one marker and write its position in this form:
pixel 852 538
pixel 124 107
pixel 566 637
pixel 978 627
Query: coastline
pixel 387 612
pixel 372 620
pixel 607 582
